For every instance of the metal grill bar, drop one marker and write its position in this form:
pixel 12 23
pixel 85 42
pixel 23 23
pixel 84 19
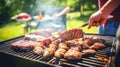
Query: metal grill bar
pixel 94 61
pixel 91 61
pixel 84 64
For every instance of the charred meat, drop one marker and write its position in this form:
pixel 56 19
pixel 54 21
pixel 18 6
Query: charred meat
pixel 23 45
pixel 60 53
pixel 88 51
pixel 71 34
pixel 63 46
pixel 39 49
pixel 78 48
pixel 97 46
pixel 73 55
pixel 49 51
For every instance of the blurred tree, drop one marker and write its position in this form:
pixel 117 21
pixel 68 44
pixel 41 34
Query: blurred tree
pixel 78 5
pixel 4 14
pixel 8 8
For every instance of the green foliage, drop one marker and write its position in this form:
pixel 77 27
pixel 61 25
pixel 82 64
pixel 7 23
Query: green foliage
pixel 9 8
pixel 76 4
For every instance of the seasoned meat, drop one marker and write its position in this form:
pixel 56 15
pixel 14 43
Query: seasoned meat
pixel 71 34
pixel 48 52
pixel 97 46
pixel 88 37
pixel 83 44
pixel 57 41
pixel 73 55
pixel 23 45
pixel 98 40
pixel 93 39
pixel 33 37
pixel 77 48
pixel 71 43
pixel 88 51
pixel 88 42
pixel 60 53
pixel 38 50
pixel 63 46
pixel 46 41
pixel 54 46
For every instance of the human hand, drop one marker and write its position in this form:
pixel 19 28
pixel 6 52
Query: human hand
pixel 97 19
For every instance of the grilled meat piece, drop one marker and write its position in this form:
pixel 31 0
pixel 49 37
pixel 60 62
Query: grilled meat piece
pixel 54 46
pixel 73 55
pixel 39 49
pixel 57 41
pixel 63 46
pixel 78 42
pixel 83 44
pixel 60 53
pixel 88 51
pixel 23 45
pixel 88 42
pixel 98 40
pixel 40 44
pixel 93 39
pixel 71 34
pixel 47 41
pixel 50 50
pixel 77 48
pixel 71 43
pixel 97 46
pixel 88 37
pixel 33 37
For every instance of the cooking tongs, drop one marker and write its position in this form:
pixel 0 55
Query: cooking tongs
pixel 83 25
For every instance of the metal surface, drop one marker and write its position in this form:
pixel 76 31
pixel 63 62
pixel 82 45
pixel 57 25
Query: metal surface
pixel 90 61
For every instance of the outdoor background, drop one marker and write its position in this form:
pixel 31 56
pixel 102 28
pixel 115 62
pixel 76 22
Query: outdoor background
pixel 80 13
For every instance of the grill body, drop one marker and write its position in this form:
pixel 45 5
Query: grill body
pixel 29 59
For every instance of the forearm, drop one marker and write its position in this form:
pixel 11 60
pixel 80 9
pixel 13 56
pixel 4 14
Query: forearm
pixel 66 10
pixel 109 6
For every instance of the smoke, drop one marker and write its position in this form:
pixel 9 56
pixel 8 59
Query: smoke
pixel 48 9
pixel 45 6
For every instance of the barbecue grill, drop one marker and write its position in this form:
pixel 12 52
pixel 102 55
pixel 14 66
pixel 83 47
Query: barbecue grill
pixel 31 59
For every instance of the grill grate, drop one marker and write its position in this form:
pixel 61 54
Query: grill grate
pixel 91 61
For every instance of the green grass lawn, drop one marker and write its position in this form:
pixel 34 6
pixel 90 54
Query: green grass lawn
pixel 15 29
pixel 10 30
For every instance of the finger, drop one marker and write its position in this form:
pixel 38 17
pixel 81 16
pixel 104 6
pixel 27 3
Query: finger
pixel 94 24
pixel 90 23
pixel 97 24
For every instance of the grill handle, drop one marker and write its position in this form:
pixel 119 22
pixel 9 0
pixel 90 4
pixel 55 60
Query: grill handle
pixel 111 62
pixel 83 25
